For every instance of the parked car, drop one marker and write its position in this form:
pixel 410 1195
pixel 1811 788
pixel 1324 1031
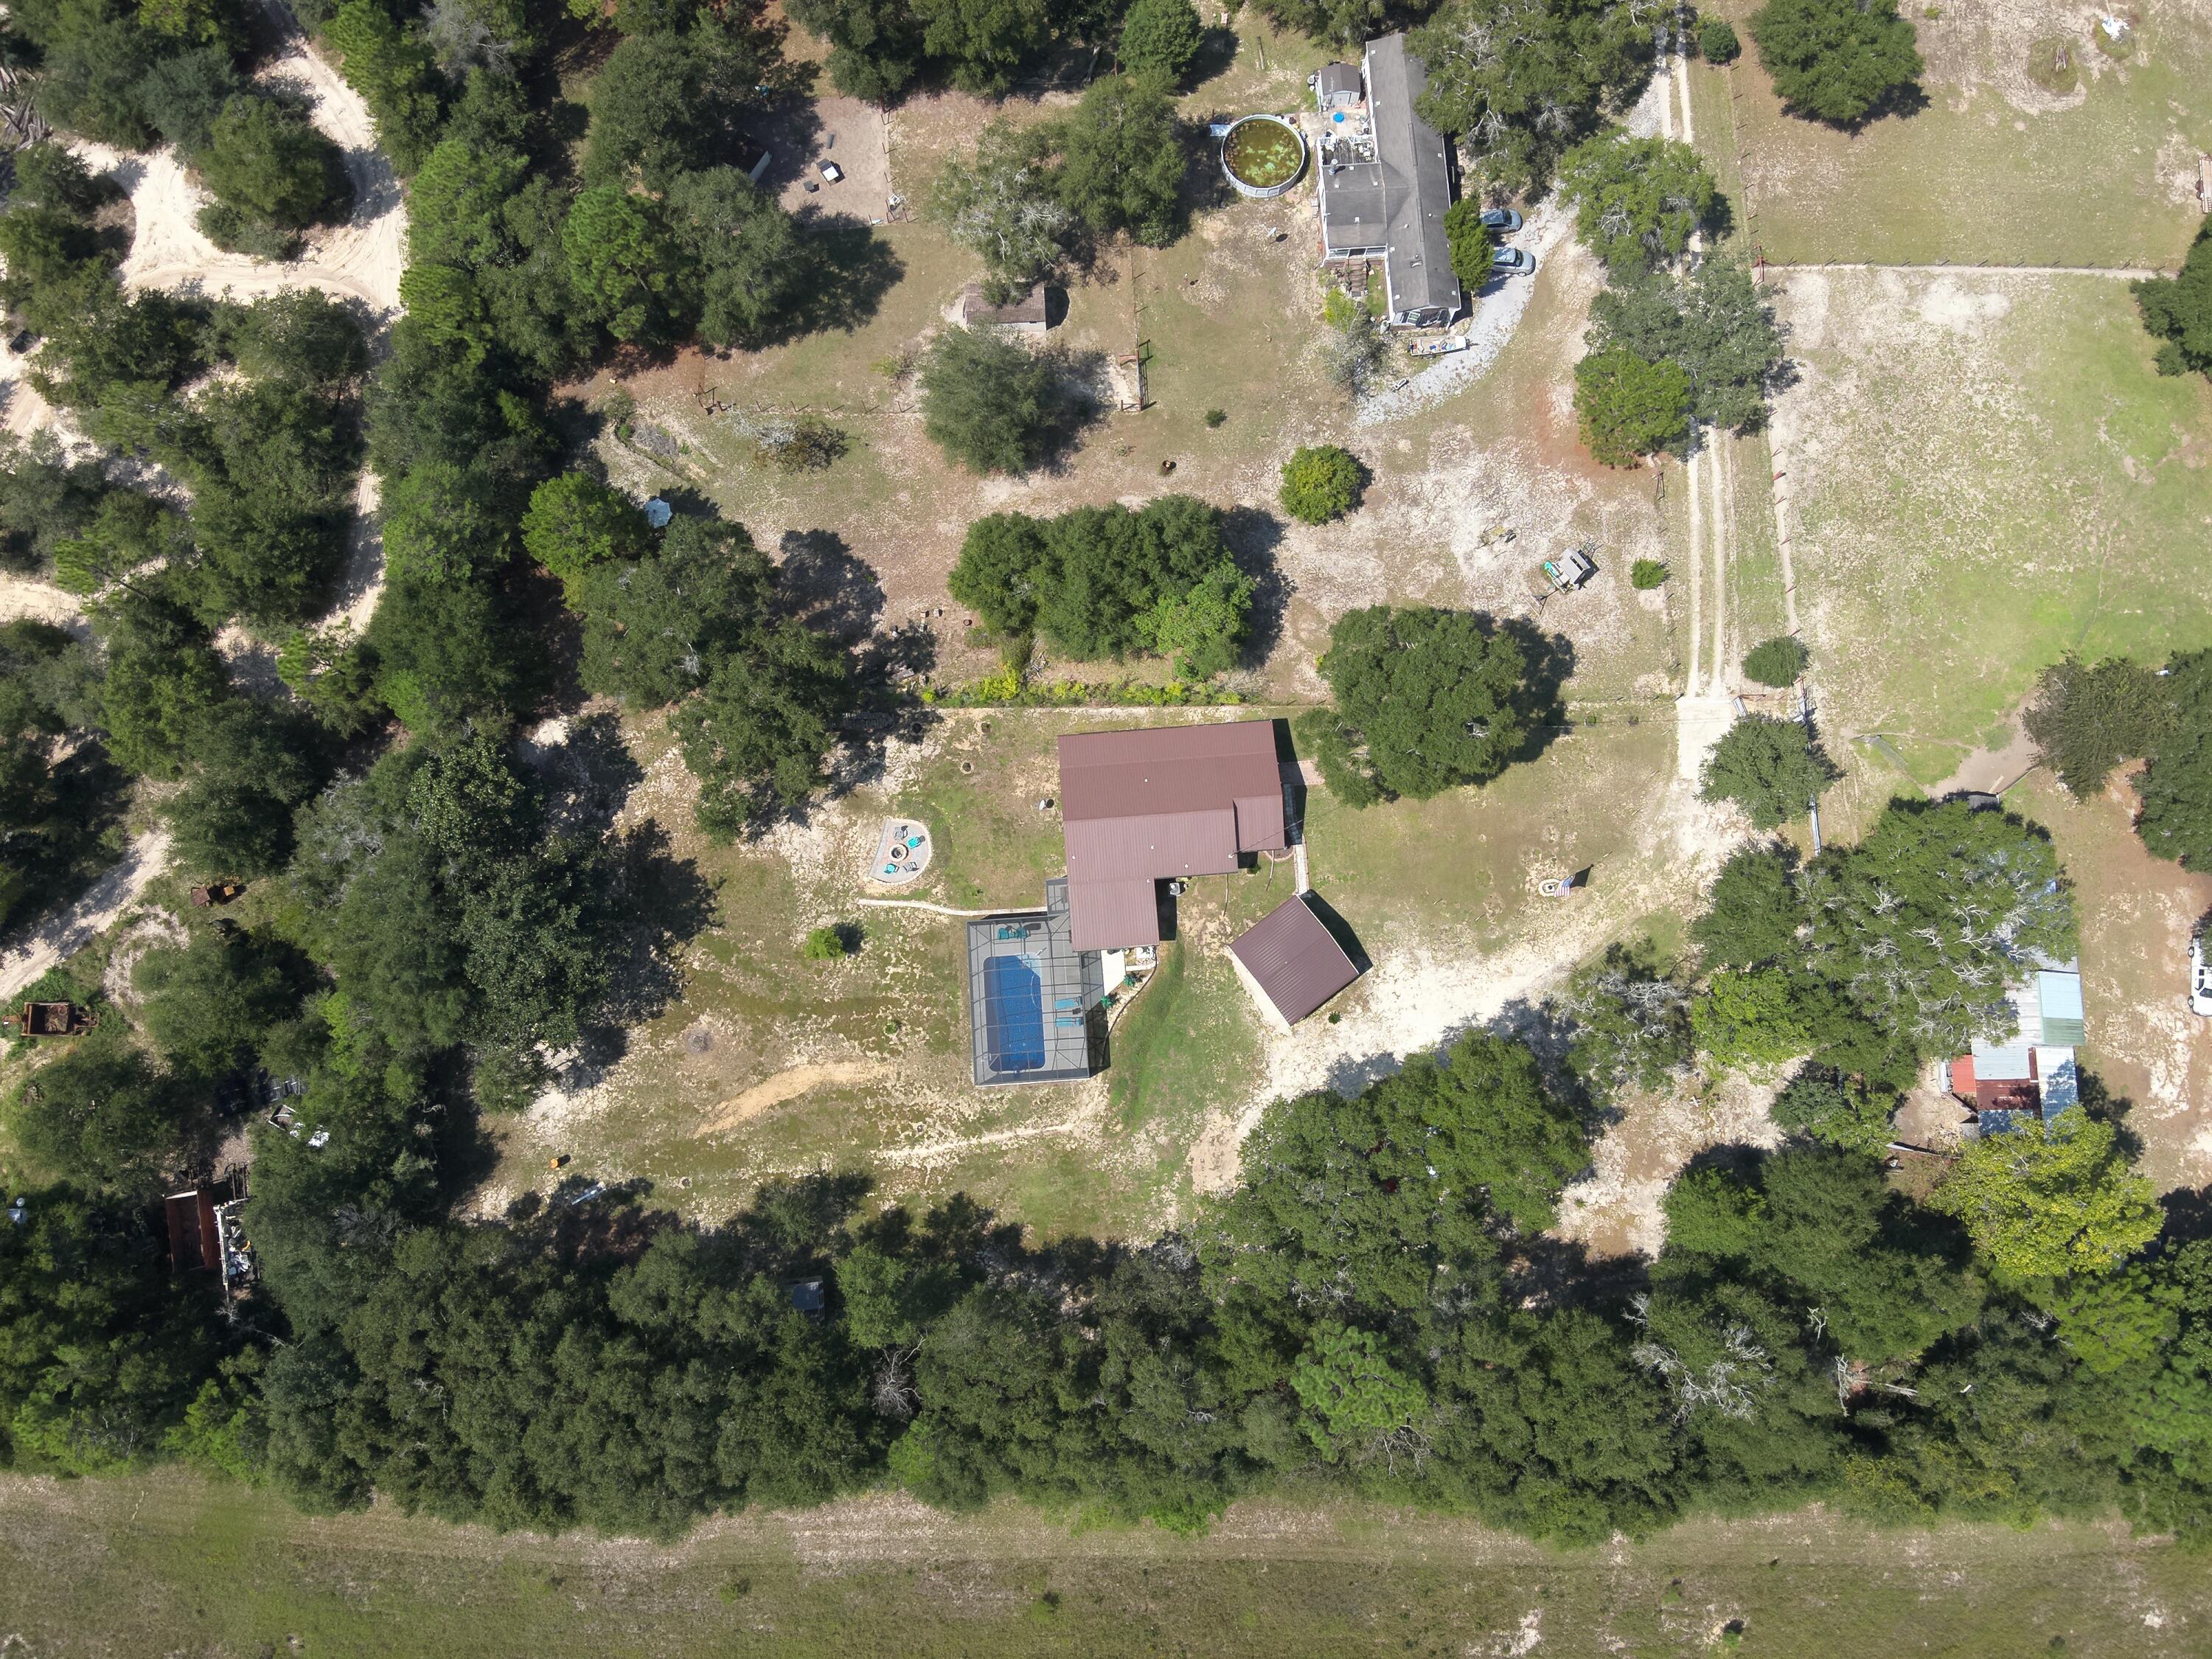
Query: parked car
pixel 1512 261
pixel 1502 219
pixel 2200 979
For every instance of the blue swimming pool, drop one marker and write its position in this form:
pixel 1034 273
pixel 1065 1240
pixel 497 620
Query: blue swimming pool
pixel 1014 1015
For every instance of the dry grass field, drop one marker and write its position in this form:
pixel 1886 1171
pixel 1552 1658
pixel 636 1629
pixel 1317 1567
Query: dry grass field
pixel 166 1564
pixel 1992 169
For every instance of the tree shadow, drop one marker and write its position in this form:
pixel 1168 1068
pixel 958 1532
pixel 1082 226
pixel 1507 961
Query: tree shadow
pixel 2188 1217
pixel 1553 1273
pixel 849 270
pixel 586 780
pixel 1549 661
pixel 2101 1104
pixel 661 902
pixel 1252 535
pixel 820 582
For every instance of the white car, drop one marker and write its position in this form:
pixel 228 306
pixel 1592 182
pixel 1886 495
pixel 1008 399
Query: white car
pixel 2200 979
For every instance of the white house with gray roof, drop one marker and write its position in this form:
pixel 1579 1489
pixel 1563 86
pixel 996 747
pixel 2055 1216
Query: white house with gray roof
pixel 1386 178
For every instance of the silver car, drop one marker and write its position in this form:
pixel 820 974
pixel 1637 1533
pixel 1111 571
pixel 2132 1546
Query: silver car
pixel 1501 219
pixel 1512 261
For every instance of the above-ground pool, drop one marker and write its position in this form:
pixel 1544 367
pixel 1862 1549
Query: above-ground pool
pixel 1262 155
pixel 1013 1014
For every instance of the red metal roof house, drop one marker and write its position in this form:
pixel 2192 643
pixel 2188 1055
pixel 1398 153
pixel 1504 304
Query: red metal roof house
pixel 1160 802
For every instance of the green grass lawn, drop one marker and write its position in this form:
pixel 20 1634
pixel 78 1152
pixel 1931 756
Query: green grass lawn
pixel 166 1564
pixel 1985 474
pixel 1991 170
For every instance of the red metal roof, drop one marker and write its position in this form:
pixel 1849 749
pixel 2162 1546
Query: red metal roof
pixel 1112 916
pixel 1143 804
pixel 194 1245
pixel 1295 960
pixel 1166 770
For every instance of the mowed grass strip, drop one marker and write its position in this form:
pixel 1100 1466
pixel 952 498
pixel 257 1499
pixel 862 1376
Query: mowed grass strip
pixel 166 1563
pixel 1984 473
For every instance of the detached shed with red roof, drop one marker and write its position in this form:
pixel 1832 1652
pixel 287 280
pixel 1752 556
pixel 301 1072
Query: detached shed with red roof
pixel 1156 803
pixel 1290 962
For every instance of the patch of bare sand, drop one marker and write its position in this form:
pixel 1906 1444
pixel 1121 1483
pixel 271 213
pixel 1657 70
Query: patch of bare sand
pixel 1991 771
pixel 1615 1209
pixel 156 930
pixel 788 1085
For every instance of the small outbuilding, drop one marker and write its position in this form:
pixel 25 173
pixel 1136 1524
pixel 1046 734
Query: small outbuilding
pixel 1292 963
pixel 195 1238
pixel 1024 316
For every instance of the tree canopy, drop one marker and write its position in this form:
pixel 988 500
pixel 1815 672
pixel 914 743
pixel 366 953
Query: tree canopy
pixel 1629 408
pixel 2048 1202
pixel 991 405
pixel 1771 767
pixel 1519 81
pixel 1637 201
pixel 1322 483
pixel 2177 311
pixel 1840 61
pixel 1428 700
pixel 1101 582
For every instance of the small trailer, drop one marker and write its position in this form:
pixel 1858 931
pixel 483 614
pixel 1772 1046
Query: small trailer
pixel 1570 569
pixel 51 1020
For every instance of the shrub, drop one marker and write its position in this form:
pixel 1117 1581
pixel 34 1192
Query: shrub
pixel 1647 573
pixel 832 944
pixel 1216 417
pixel 1320 484
pixel 1716 40
pixel 1778 662
pixel 1469 241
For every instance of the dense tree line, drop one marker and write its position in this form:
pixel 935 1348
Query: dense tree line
pixel 1375 1308
pixel 1369 1309
pixel 1104 581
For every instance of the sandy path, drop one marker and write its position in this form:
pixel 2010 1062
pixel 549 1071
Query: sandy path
pixel 103 902
pixel 361 259
pixel 789 1085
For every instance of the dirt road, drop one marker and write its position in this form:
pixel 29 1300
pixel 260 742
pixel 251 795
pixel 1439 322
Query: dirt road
pixel 103 903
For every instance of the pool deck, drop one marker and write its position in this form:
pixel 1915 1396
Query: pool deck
pixel 1061 1028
